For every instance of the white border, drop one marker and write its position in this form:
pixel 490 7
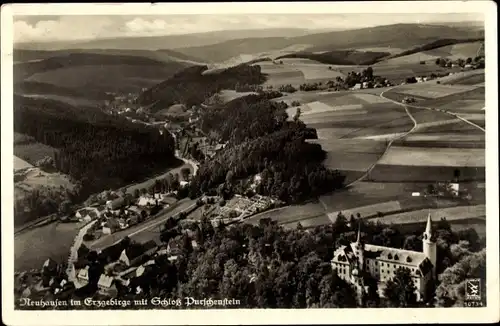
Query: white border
pixel 254 316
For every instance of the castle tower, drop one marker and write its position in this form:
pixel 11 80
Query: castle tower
pixel 429 244
pixel 360 250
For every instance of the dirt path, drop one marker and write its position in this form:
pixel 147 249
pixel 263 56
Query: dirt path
pixel 428 108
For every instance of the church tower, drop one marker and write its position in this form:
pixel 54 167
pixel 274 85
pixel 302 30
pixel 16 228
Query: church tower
pixel 429 244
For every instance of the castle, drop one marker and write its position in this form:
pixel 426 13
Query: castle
pixel 355 261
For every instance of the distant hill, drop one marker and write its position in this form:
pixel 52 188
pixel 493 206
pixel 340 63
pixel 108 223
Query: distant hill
pixel 165 42
pixel 21 55
pixel 95 72
pixel 398 35
pixel 192 86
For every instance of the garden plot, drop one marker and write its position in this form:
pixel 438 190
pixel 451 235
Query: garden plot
pixel 369 210
pixel 425 156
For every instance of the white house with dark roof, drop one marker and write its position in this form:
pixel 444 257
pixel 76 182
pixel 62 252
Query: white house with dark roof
pixel 357 259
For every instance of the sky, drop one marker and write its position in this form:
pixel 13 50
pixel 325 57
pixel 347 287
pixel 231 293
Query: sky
pixel 71 27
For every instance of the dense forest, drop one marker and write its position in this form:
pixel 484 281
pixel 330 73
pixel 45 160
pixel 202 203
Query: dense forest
pixel 261 140
pixel 342 57
pixel 266 266
pixel 192 86
pixel 99 150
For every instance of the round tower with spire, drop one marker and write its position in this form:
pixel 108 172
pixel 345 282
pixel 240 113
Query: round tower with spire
pixel 429 244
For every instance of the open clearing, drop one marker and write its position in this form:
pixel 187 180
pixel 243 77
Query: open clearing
pixel 290 213
pixel 32 152
pixel 229 95
pixel 20 164
pixel 425 156
pixel 453 52
pixel 34 246
pixel 450 213
pixel 431 90
pixel 368 210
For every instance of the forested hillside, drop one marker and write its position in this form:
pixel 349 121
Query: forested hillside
pixel 99 150
pixel 261 140
pixel 192 86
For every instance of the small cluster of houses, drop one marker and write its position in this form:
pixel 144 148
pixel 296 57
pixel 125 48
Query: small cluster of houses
pixel 129 266
pixel 119 214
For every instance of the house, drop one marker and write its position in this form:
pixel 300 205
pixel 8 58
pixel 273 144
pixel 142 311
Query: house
pixel 357 260
pixel 111 253
pixel 173 248
pixel 115 203
pixel 82 278
pixel 183 183
pixel 146 201
pixel 49 266
pixel 134 253
pixel 357 86
pixel 106 286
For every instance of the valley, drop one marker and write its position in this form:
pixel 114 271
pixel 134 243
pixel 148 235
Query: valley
pixel 370 153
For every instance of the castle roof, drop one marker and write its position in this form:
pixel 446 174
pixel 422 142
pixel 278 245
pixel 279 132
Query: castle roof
pixel 405 258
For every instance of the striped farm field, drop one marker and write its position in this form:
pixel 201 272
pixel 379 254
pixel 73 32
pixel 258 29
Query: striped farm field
pixel 464 106
pixel 351 155
pixel 281 75
pixel 453 52
pixel 450 213
pixel 425 156
pixel 432 90
pixel 451 140
pixel 415 173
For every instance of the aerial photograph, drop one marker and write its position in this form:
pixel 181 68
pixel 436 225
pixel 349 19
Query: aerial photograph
pixel 249 161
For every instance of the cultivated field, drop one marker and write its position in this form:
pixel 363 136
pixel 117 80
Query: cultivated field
pixel 27 149
pixel 34 246
pixel 407 173
pixel 453 52
pixel 428 156
pixel 450 213
pixel 432 90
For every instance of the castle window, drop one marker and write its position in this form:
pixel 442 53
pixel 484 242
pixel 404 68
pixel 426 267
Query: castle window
pixel 389 256
pixel 408 259
pixel 396 257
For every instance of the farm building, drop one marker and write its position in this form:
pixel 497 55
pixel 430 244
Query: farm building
pixel 357 86
pixel 107 286
pixel 146 201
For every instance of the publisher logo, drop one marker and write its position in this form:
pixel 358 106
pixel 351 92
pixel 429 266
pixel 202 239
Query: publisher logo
pixel 473 289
